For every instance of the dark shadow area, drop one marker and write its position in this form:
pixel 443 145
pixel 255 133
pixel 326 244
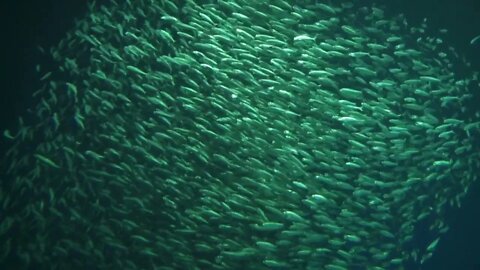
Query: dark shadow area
pixel 26 25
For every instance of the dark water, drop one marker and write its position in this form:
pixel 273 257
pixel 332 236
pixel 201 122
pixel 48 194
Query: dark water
pixel 26 24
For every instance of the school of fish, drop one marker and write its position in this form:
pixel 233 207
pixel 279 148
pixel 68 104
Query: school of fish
pixel 240 134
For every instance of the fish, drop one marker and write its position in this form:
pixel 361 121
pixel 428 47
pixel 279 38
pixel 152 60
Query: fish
pixel 475 40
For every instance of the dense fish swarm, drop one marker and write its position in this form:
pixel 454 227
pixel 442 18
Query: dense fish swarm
pixel 239 134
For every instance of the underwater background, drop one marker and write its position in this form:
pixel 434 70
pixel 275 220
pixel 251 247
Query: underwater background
pixel 29 24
